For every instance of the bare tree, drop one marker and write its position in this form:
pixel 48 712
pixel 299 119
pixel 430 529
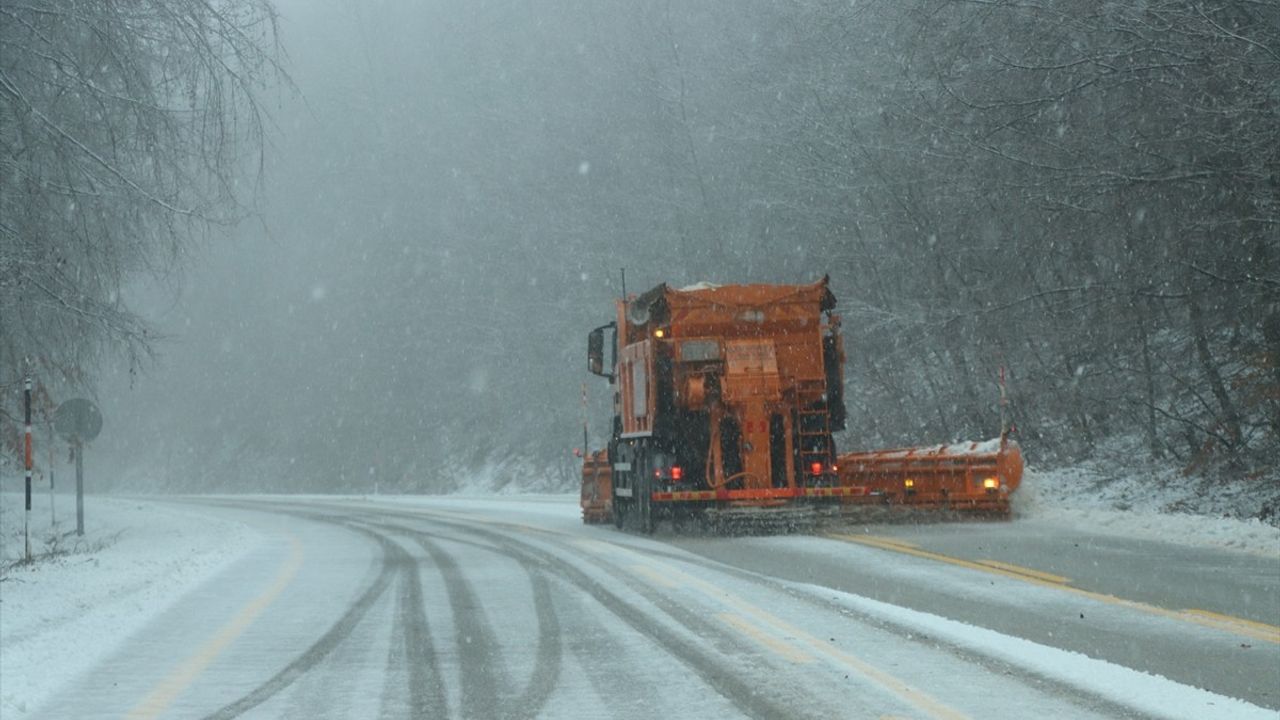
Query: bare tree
pixel 127 130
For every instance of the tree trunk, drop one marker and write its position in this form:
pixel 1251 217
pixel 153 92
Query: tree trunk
pixel 1271 334
pixel 1149 382
pixel 1230 416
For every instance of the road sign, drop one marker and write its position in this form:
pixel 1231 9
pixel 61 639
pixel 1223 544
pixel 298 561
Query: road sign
pixel 78 418
pixel 79 421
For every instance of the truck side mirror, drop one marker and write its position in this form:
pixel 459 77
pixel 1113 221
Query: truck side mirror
pixel 595 352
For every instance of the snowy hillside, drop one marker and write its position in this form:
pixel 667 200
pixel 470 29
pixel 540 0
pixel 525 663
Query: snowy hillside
pixel 1156 504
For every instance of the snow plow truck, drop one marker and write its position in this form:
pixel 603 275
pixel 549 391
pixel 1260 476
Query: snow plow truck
pixel 725 398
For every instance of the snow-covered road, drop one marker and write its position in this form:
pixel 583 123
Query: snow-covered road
pixel 510 607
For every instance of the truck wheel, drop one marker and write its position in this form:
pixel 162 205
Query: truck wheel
pixel 619 512
pixel 647 523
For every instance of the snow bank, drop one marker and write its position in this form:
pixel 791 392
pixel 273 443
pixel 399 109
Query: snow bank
pixel 82 596
pixel 1146 693
pixel 1155 504
pixel 981 447
pixel 513 476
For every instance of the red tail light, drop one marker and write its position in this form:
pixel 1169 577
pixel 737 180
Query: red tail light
pixel 677 472
pixel 816 468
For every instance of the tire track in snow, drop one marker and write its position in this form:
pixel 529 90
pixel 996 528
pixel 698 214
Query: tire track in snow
pixel 321 648
pixel 480 656
pixel 326 690
pixel 415 654
pixel 593 644
pixel 714 667
pixel 548 660
pixel 725 678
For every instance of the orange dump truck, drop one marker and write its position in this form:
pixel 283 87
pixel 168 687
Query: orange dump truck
pixel 725 398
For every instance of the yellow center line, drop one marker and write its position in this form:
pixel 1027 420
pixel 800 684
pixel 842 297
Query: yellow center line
pixel 1238 626
pixel 1029 572
pixel 593 546
pixel 766 622
pixel 781 647
pixel 168 690
pixel 889 541
pixel 654 576
pixel 898 687
pixel 1005 569
pixel 1233 623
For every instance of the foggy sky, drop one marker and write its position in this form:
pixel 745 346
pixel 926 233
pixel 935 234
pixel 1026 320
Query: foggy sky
pixel 452 188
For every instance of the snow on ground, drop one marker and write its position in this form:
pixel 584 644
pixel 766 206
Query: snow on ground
pixel 82 596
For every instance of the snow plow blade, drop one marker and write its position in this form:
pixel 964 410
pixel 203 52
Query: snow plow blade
pixel 597 488
pixel 975 477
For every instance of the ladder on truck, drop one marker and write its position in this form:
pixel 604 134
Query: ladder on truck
pixel 813 431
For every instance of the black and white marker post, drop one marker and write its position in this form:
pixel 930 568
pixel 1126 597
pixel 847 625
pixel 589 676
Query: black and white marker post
pixel 26 522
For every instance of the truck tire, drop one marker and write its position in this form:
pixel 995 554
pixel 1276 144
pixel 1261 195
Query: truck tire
pixel 619 512
pixel 645 502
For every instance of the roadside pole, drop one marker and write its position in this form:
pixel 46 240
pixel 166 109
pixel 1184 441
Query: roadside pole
pixel 53 513
pixel 585 448
pixel 1004 407
pixel 79 450
pixel 26 521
